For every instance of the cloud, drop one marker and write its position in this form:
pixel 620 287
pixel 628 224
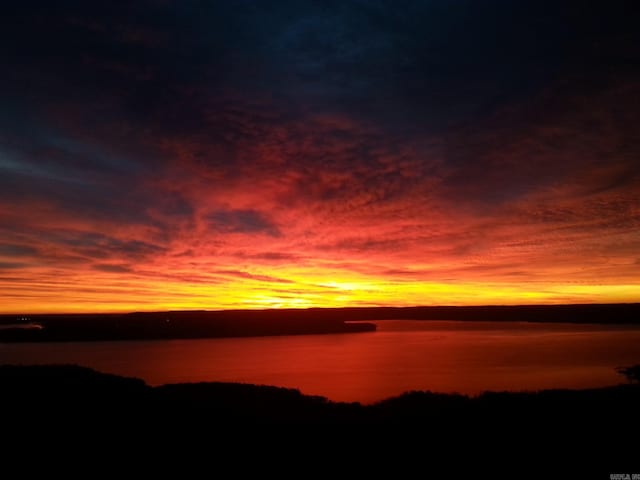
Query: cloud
pixel 242 221
pixel 105 267
pixel 12 265
pixel 9 250
pixel 251 276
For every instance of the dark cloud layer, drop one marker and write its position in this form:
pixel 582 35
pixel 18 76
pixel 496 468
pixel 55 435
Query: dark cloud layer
pixel 370 143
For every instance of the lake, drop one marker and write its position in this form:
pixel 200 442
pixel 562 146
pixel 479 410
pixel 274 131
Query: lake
pixel 402 355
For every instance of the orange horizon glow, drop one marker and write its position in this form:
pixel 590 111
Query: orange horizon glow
pixel 321 238
pixel 316 254
pixel 111 293
pixel 261 242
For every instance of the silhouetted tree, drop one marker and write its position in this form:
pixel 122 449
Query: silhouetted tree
pixel 632 373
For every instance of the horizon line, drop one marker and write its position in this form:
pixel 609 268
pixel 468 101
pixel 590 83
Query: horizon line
pixel 302 309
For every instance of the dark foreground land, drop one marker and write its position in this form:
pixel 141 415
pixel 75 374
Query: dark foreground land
pixel 243 323
pixel 597 429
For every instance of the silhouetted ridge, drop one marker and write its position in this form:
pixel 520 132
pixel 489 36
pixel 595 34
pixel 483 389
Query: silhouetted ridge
pixel 80 404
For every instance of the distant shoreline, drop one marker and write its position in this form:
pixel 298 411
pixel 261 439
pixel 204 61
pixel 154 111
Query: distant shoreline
pixel 246 323
pixel 581 313
pixel 166 326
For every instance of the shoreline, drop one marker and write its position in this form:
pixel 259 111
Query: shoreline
pixel 249 323
pixel 167 326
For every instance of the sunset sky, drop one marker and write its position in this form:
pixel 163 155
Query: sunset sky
pixel 260 154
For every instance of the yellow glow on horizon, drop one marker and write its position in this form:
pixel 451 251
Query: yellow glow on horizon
pixel 295 288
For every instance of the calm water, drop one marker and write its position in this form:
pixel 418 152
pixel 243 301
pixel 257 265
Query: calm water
pixel 402 355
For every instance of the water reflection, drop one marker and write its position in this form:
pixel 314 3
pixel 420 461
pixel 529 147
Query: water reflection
pixel 445 356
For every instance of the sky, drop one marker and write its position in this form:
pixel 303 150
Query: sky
pixel 265 154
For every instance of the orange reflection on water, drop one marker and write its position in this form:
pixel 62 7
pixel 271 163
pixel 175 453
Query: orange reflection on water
pixel 443 356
